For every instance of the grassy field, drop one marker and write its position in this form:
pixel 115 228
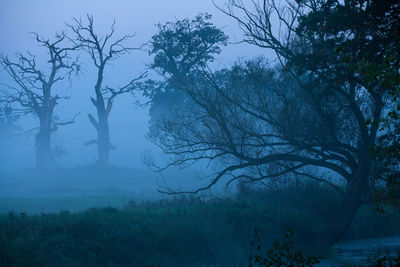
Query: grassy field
pixel 37 205
pixel 181 231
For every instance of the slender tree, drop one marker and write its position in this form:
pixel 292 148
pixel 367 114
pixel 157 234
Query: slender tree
pixel 32 92
pixel 102 50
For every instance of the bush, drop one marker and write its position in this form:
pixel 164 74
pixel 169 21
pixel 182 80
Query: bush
pixel 385 260
pixel 281 254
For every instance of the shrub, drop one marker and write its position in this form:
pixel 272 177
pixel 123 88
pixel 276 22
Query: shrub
pixel 281 254
pixel 385 260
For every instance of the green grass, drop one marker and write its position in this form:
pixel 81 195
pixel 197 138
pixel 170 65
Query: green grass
pixel 36 205
pixel 182 231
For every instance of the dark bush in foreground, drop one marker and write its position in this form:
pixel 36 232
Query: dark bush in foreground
pixel 281 254
pixel 385 260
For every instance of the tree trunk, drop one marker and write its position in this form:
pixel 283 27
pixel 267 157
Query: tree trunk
pixel 356 193
pixel 103 142
pixel 342 217
pixel 43 143
pixel 103 134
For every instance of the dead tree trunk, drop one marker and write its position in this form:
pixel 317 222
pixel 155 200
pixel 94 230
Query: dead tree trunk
pixel 33 91
pixel 43 142
pixel 102 51
pixel 101 124
pixel 103 141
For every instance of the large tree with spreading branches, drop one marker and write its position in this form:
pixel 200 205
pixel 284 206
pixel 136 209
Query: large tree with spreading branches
pixel 317 115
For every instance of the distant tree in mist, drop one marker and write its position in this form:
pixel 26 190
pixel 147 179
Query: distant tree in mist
pixel 320 109
pixel 32 91
pixel 180 47
pixel 102 50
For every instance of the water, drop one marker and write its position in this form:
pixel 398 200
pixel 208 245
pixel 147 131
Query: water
pixel 356 252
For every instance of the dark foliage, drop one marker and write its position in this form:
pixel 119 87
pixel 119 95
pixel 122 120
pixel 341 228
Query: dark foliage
pixel 385 260
pixel 281 254
pixel 182 231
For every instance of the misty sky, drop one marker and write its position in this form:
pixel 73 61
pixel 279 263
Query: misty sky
pixel 128 123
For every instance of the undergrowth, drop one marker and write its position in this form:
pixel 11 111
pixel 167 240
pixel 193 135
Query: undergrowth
pixel 181 231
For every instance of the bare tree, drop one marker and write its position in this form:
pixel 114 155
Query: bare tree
pixel 33 89
pixel 102 50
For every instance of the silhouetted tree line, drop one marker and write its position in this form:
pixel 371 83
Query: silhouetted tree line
pixel 327 111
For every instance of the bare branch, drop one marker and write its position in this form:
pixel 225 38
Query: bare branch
pixel 64 122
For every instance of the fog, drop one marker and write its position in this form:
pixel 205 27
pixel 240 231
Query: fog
pixel 199 133
pixel 128 120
